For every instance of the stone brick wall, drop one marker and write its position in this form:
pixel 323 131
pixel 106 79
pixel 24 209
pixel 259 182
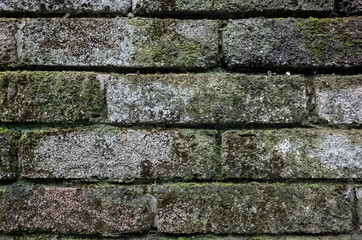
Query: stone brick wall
pixel 180 119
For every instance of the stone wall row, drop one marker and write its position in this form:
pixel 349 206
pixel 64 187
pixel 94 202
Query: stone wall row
pixel 146 43
pixel 235 8
pixel 127 155
pixel 212 99
pixel 178 209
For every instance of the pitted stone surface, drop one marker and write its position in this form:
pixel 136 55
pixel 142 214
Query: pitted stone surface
pixel 120 42
pixel 119 155
pixel 339 99
pixel 7 154
pixel 241 7
pixel 206 99
pixel 292 154
pixel 350 6
pixel 293 43
pixel 253 208
pixel 7 42
pixel 50 96
pixel 101 210
pixel 65 6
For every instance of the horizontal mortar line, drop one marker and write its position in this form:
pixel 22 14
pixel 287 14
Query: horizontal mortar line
pixel 179 15
pixel 106 182
pixel 180 70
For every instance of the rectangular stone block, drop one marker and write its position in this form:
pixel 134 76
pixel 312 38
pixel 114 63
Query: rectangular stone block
pixel 8 154
pixel 292 154
pixel 193 99
pixel 7 42
pixel 338 99
pixel 101 210
pixel 253 208
pixel 119 155
pixel 51 96
pixel 120 42
pixel 293 43
pixel 65 6
pixel 233 8
pixel 359 207
pixel 349 6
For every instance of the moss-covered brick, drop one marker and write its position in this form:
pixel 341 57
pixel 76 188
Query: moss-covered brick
pixel 231 7
pixel 120 42
pixel 206 99
pixel 293 43
pixel 119 155
pixel 65 6
pixel 8 52
pixel 292 154
pixel 101 210
pixel 8 154
pixel 50 96
pixel 338 99
pixel 253 208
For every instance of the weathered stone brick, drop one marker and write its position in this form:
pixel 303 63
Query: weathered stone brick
pixel 119 155
pixel 7 42
pixel 359 207
pixel 120 42
pixel 349 6
pixel 338 99
pixel 253 208
pixel 98 210
pixel 206 99
pixel 7 154
pixel 65 6
pixel 50 96
pixel 293 43
pixel 292 154
pixel 238 7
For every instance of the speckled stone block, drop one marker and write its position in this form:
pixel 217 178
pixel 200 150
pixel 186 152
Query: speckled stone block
pixel 293 43
pixel 338 99
pixel 292 154
pixel 51 96
pixel 8 51
pixel 7 154
pixel 119 155
pixel 65 6
pixel 253 208
pixel 359 206
pixel 350 6
pixel 233 8
pixel 108 211
pixel 120 42
pixel 206 99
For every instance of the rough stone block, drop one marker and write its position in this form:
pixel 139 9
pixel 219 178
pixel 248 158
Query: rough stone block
pixel 101 210
pixel 65 6
pixel 50 96
pixel 293 43
pixel 119 155
pixel 8 154
pixel 292 154
pixel 120 42
pixel 253 208
pixel 338 99
pixel 232 8
pixel 359 207
pixel 350 6
pixel 206 99
pixel 8 50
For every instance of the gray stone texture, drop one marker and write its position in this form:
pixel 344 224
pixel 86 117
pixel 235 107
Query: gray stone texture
pixel 253 208
pixel 240 7
pixel 359 207
pixel 120 42
pixel 119 155
pixel 102 210
pixel 8 154
pixel 65 6
pixel 350 6
pixel 338 99
pixel 206 99
pixel 7 42
pixel 292 154
pixel 50 96
pixel 293 43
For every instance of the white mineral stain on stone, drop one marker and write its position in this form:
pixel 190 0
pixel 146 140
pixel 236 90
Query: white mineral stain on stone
pixel 284 147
